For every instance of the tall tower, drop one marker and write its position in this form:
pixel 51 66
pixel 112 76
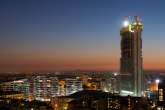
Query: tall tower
pixel 131 57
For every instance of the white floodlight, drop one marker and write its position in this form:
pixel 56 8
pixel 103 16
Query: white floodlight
pixel 157 80
pixel 126 23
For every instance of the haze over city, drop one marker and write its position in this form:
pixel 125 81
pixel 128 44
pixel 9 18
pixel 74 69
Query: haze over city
pixel 76 34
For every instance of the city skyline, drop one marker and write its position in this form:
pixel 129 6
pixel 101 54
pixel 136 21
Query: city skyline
pixel 70 35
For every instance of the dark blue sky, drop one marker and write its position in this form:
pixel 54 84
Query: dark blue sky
pixel 67 34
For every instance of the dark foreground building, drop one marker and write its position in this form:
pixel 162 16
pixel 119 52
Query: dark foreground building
pixel 131 57
pixel 161 97
pixel 98 100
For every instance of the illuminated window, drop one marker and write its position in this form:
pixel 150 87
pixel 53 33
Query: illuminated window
pixel 160 94
pixel 159 108
pixel 160 91
pixel 160 98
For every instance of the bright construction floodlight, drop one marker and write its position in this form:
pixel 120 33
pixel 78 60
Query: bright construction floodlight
pixel 126 23
pixel 157 80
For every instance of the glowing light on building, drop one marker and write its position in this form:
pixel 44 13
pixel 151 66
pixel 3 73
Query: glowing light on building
pixel 157 80
pixel 126 23
pixel 127 92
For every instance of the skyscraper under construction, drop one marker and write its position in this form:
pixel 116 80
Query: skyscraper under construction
pixel 131 57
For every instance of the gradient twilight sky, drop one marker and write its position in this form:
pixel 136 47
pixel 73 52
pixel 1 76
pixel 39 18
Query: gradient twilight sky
pixel 50 35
